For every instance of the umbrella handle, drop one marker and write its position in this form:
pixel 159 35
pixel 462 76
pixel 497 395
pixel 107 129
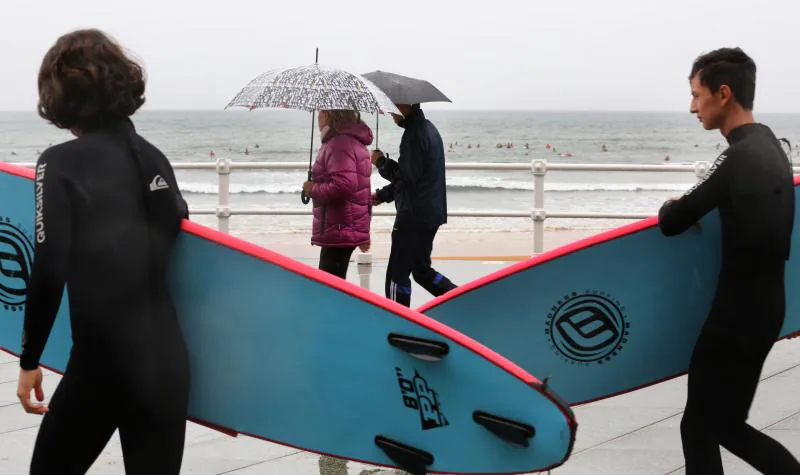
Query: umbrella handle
pixel 303 196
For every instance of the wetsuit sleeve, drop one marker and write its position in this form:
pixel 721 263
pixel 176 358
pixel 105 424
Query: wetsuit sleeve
pixel 51 257
pixel 676 216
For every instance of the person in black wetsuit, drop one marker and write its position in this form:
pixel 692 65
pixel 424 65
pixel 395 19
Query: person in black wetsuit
pixel 417 186
pixel 108 211
pixel 751 185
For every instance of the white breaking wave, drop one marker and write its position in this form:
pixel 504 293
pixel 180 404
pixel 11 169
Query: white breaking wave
pixel 461 183
pixel 237 188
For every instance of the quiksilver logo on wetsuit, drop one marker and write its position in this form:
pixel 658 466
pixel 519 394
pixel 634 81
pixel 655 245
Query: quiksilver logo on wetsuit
pixel 158 183
pixel 40 236
pixel 711 170
pixel 588 327
pixel 16 260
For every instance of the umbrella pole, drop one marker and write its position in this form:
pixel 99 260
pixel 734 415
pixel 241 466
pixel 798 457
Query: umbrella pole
pixel 303 197
pixel 377 127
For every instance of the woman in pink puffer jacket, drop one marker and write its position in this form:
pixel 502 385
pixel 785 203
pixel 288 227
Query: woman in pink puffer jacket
pixel 340 190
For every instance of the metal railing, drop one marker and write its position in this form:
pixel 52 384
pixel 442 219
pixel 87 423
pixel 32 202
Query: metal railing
pixel 537 167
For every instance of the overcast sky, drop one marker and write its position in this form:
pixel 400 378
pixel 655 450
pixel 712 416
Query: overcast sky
pixel 500 54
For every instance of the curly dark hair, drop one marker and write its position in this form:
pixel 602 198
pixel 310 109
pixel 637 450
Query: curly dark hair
pixel 86 80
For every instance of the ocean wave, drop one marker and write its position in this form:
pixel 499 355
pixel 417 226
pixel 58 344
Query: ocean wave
pixel 575 187
pixel 236 188
pixel 473 184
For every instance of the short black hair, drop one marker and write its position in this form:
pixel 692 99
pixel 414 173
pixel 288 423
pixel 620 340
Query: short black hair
pixel 86 80
pixel 731 67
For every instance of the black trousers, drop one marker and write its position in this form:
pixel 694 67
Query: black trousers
pixel 411 256
pixel 335 260
pixel 87 407
pixel 724 372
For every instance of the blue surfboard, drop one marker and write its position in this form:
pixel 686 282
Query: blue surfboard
pixel 286 353
pixel 605 315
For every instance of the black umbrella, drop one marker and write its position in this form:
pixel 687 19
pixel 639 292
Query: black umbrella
pixel 404 90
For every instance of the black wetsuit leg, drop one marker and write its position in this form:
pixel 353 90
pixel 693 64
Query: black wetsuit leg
pixel 77 427
pixel 335 260
pixel 84 413
pixel 724 373
pixel 152 423
pixel 152 432
pixel 142 390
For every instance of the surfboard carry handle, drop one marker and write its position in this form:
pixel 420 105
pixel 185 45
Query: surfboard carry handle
pixel 410 459
pixel 424 349
pixel 513 432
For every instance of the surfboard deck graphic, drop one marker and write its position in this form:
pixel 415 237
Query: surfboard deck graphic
pixel 287 353
pixel 605 315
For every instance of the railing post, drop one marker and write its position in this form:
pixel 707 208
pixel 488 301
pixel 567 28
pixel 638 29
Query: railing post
pixel 364 265
pixel 223 210
pixel 700 170
pixel 539 169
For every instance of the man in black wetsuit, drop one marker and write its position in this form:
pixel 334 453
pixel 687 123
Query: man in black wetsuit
pixel 751 185
pixel 108 211
pixel 417 186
